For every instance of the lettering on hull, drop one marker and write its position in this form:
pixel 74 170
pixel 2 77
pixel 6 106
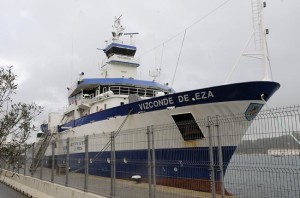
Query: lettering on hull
pixel 173 100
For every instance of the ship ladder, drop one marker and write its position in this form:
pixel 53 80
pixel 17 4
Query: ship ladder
pixel 41 149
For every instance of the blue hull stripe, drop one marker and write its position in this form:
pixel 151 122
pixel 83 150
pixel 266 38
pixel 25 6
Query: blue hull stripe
pixel 185 163
pixel 225 93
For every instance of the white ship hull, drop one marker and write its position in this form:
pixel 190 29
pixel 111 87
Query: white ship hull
pixel 161 117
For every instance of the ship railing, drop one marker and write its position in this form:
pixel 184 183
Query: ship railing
pixel 118 91
pixel 124 41
pixel 143 92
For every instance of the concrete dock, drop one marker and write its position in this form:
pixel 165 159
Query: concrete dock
pixel 96 187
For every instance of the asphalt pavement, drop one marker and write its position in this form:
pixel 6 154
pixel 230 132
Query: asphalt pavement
pixel 8 192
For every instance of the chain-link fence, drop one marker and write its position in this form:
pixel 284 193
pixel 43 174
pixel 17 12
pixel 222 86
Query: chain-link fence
pixel 196 158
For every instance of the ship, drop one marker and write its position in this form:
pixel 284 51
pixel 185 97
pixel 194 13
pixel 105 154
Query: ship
pixel 118 99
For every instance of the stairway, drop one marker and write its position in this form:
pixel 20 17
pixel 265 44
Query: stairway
pixel 41 148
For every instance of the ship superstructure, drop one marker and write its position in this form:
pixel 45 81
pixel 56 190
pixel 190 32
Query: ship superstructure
pixel 118 85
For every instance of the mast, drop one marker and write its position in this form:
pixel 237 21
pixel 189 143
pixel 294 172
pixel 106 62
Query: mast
pixel 260 41
pixel 120 53
pixel 260 35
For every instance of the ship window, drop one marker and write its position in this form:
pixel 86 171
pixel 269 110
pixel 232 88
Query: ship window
pixel 104 106
pixel 188 126
pixel 121 103
pixel 122 51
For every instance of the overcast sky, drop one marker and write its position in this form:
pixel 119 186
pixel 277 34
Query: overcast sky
pixel 50 41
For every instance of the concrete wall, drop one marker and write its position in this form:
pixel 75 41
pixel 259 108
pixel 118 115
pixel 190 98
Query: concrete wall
pixel 41 189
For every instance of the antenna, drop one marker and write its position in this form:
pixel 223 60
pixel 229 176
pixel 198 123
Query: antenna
pixel 132 33
pixel 155 73
pixel 118 28
pixel 131 36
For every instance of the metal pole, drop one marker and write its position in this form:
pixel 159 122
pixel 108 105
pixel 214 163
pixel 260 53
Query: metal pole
pixel 153 162
pixel 8 160
pixel 86 165
pixel 19 159
pixel 41 167
pixel 53 158
pixel 7 166
pixel 67 161
pixel 25 159
pixel 149 161
pixel 220 158
pixel 32 160
pixel 211 157
pixel 112 166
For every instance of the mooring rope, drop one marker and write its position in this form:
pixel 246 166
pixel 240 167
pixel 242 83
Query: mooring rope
pixel 184 30
pixel 183 38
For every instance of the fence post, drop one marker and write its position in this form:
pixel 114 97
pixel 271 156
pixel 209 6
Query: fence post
pixel 32 160
pixel 19 159
pixel 153 162
pixel 7 166
pixel 67 161
pixel 86 165
pixel 149 161
pixel 220 157
pixel 25 159
pixel 112 166
pixel 41 167
pixel 53 162
pixel 211 157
